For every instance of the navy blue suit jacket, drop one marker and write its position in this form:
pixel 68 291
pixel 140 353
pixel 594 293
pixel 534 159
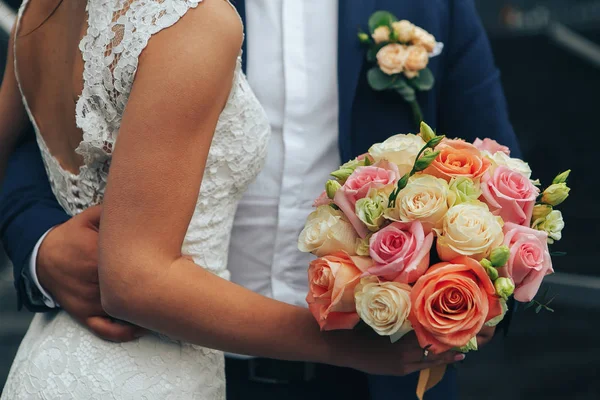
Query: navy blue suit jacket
pixel 466 101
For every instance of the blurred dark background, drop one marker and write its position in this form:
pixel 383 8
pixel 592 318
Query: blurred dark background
pixel 549 55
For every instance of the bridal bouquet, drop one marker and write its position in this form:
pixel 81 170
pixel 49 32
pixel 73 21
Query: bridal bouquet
pixel 430 234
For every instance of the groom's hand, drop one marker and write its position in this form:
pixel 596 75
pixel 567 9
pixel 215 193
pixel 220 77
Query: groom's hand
pixel 67 267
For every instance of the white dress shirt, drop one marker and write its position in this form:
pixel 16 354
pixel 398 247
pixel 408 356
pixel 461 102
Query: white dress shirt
pixel 292 68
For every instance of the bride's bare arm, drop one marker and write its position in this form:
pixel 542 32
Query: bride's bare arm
pixel 181 87
pixel 13 117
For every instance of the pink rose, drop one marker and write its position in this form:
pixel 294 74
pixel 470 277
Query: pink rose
pixel 321 200
pixel 358 185
pixel 400 252
pixel 331 282
pixel 509 194
pixel 529 259
pixel 491 146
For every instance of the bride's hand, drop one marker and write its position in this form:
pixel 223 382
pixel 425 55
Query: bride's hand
pixel 378 356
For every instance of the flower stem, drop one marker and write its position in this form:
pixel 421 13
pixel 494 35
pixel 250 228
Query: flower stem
pixel 417 114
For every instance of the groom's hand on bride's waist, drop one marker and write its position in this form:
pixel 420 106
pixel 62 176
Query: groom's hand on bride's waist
pixel 67 267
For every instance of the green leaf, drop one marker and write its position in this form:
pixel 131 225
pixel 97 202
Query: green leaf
pixel 424 81
pixel 381 18
pixel 405 91
pixel 529 305
pixel 435 141
pixel 372 53
pixel 408 94
pixel 378 79
pixel 538 309
pixel 558 253
pixel 424 161
pixel 403 182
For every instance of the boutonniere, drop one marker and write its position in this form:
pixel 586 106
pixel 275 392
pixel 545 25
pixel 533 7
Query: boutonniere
pixel 401 52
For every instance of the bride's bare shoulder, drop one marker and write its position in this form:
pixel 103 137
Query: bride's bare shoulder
pixel 211 30
pixel 190 64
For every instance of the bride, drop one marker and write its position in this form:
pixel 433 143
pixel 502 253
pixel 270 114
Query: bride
pixel 165 77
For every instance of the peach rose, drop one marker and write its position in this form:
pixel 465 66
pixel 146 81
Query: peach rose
pixel 491 146
pixel 381 34
pixel 529 259
pixel 423 38
pixel 358 185
pixel 404 30
pixel 451 302
pixel 391 58
pixel 509 194
pixel 458 158
pixel 417 58
pixel 400 252
pixel 331 283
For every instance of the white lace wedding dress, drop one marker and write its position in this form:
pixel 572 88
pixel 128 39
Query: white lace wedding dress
pixel 61 359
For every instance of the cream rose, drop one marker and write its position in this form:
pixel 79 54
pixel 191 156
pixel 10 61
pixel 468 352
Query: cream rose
pixel 400 149
pixel 515 164
pixel 423 38
pixel 384 306
pixel 381 34
pixel 326 231
pixel 425 199
pixel 391 58
pixel 469 230
pixel 404 30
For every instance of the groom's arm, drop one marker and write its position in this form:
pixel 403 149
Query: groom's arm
pixel 28 209
pixel 472 102
pixel 472 99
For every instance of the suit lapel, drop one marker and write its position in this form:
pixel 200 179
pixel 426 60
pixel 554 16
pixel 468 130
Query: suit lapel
pixel 240 5
pixel 352 15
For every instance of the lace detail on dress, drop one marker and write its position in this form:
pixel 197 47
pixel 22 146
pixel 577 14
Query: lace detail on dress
pixel 111 50
pixel 59 358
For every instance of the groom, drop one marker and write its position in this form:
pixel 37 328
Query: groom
pixel 307 68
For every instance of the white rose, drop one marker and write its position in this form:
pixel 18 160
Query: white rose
pixel 471 230
pixel 326 231
pixel 391 58
pixel 381 34
pixel 515 164
pixel 423 38
pixel 400 149
pixel 404 30
pixel 384 306
pixel 553 224
pixel 426 199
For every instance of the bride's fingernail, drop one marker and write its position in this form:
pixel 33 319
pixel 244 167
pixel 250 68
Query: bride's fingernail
pixel 459 357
